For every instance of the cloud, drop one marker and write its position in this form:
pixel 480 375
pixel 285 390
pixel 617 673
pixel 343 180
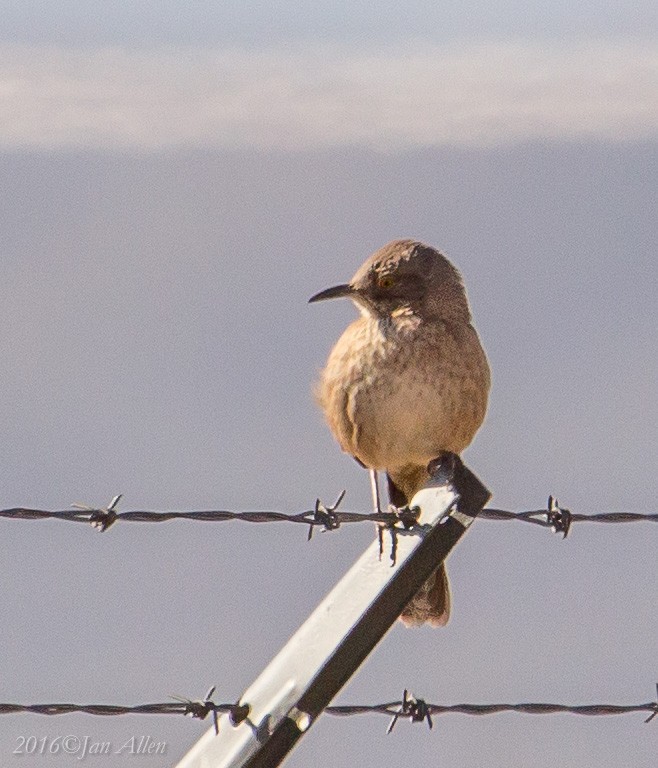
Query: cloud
pixel 305 97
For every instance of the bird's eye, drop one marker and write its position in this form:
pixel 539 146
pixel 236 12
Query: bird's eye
pixel 386 281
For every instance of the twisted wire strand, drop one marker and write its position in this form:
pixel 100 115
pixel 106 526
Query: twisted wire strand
pixel 327 518
pixel 409 707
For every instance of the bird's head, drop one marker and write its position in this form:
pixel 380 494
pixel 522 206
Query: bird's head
pixel 405 277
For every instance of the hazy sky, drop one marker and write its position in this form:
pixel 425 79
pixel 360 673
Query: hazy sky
pixel 147 23
pixel 176 183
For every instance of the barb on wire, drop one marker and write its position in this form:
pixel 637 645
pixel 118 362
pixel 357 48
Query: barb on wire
pixel 415 709
pixel 101 519
pixel 328 518
pixel 411 708
pixel 200 709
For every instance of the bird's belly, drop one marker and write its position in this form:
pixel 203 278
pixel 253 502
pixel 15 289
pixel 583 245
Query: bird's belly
pixel 410 420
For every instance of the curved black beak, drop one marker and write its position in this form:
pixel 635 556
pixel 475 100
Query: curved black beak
pixel 337 292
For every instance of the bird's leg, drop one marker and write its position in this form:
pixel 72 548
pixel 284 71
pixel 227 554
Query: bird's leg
pixel 374 487
pixel 376 503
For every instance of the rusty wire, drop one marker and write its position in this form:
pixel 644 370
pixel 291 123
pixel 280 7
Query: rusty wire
pixel 321 516
pixel 410 708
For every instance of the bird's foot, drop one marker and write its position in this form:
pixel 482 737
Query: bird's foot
pixel 406 515
pixel 390 527
pixel 446 461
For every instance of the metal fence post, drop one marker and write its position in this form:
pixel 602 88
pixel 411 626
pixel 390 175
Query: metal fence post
pixel 290 694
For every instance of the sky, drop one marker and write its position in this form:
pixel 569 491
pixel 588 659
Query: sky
pixel 178 180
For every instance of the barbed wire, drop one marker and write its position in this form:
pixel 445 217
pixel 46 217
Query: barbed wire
pixel 410 708
pixel 328 518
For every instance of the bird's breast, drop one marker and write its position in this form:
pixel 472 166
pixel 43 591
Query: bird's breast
pixel 396 394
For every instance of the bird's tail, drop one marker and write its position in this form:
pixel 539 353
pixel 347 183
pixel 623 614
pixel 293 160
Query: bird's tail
pixel 431 604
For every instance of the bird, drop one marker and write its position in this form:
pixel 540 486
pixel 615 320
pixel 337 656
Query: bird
pixel 407 382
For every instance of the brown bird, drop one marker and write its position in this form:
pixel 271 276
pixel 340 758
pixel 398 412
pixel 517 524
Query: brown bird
pixel 407 381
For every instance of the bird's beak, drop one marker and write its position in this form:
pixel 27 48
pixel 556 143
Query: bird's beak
pixel 336 292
